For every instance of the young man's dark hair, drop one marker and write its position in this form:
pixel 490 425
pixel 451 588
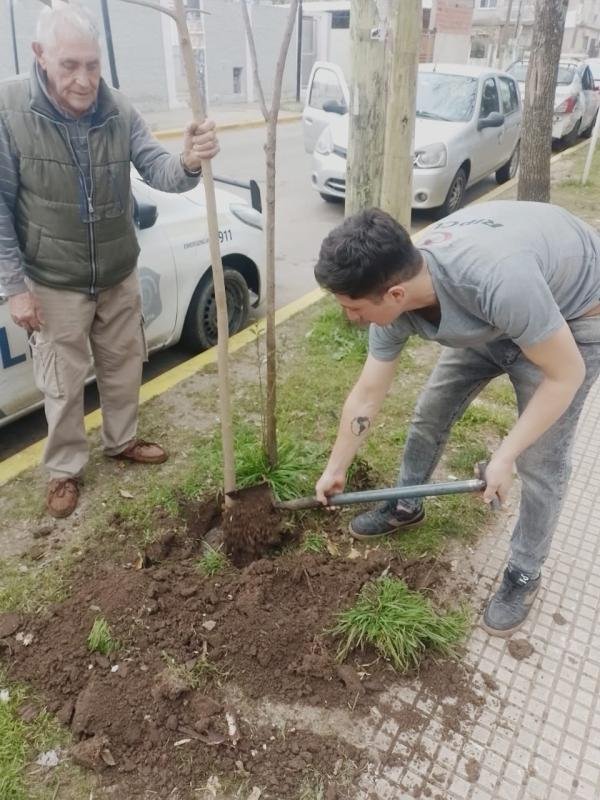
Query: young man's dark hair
pixel 366 254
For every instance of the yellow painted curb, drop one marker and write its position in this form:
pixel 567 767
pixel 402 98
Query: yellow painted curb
pixel 171 133
pixel 32 455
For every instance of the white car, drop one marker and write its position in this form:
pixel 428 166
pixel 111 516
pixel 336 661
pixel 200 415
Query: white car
pixel 468 125
pixel 576 99
pixel 176 282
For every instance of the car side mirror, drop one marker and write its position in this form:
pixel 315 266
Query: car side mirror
pixel 144 214
pixel 334 107
pixel 493 120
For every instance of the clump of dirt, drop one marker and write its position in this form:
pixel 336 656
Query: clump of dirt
pixel 252 527
pixel 472 770
pixel 520 649
pixel 454 690
pixel 362 476
pixel 558 618
pixel 200 658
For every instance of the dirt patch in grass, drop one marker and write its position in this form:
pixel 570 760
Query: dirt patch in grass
pixel 198 656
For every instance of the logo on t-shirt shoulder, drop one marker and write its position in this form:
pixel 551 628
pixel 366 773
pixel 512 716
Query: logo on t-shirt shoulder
pixel 437 239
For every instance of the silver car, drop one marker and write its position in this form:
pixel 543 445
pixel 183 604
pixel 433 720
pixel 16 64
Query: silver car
pixel 468 125
pixel 576 99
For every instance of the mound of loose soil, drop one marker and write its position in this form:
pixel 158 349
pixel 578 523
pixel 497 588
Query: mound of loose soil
pixel 173 704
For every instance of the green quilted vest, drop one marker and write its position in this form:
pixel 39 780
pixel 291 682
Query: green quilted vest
pixel 68 242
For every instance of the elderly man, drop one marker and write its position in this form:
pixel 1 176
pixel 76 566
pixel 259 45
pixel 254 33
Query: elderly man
pixel 68 248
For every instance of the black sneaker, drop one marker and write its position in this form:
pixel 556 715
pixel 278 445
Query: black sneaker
pixel 386 518
pixel 507 610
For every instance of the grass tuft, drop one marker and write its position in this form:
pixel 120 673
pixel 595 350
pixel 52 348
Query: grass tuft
pixel 100 639
pixel 296 469
pixel 339 338
pixel 399 623
pixel 313 542
pixel 12 749
pixel 212 562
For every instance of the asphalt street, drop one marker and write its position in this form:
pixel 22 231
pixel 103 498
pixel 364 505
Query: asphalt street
pixel 303 219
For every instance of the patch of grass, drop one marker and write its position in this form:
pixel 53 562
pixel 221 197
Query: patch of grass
pixel 21 743
pixel 296 470
pixel 34 589
pixel 12 750
pixel 500 392
pixel 313 542
pixel 459 516
pixel 312 788
pixel 399 623
pixel 140 513
pixel 212 562
pixel 100 638
pixel 332 334
pixel 197 675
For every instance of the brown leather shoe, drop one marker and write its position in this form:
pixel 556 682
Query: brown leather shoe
pixel 62 497
pixel 143 452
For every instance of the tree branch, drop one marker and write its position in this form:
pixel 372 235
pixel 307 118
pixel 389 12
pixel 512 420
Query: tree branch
pixel 254 59
pixel 154 6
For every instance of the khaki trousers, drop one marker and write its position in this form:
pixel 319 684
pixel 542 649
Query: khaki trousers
pixel 112 325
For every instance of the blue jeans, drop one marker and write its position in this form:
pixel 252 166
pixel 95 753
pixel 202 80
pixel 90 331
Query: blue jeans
pixel 544 467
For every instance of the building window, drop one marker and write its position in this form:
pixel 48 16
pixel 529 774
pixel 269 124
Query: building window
pixel 340 19
pixel 478 49
pixel 237 80
pixel 487 3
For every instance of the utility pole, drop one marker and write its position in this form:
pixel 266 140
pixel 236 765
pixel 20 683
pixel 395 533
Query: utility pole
pixel 368 34
pixel 402 66
pixel 385 45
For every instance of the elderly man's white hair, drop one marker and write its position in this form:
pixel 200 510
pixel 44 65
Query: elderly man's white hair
pixel 52 21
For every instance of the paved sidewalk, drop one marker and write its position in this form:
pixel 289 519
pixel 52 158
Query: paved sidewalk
pixel 242 115
pixel 537 737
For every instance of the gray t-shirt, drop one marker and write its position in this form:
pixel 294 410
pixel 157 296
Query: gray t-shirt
pixel 503 269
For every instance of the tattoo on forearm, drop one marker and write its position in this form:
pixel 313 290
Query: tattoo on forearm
pixel 359 425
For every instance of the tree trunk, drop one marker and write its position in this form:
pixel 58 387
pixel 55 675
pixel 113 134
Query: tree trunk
pixel 271 116
pixel 368 33
pixel 536 139
pixel 198 105
pixel 402 63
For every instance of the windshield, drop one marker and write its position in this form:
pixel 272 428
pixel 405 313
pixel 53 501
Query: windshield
pixel 565 74
pixel 447 97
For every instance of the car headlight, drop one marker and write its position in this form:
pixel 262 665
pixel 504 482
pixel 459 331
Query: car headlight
pixel 434 155
pixel 247 215
pixel 324 144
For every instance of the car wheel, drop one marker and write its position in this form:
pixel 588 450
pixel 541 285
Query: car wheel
pixel 329 198
pixel 588 131
pixel 509 170
pixel 455 196
pixel 571 138
pixel 200 326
